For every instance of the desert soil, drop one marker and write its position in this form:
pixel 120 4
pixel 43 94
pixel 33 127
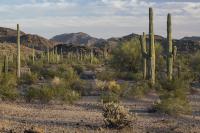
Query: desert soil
pixel 85 116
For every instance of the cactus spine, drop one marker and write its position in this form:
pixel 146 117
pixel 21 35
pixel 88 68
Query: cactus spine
pixel 151 48
pixel 170 54
pixel 144 54
pixel 18 53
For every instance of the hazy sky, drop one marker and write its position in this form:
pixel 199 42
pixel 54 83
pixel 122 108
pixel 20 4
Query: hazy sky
pixel 100 18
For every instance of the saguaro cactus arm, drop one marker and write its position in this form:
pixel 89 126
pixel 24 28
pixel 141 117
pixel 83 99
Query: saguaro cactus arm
pixel 144 54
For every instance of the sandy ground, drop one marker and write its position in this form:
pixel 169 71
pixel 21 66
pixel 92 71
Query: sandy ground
pixel 85 116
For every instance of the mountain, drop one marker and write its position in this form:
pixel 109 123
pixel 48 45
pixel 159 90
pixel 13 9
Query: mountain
pixel 4 32
pixel 79 38
pixel 10 36
pixel 38 42
pixel 193 38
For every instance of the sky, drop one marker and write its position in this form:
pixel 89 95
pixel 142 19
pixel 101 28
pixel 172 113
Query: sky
pixel 100 18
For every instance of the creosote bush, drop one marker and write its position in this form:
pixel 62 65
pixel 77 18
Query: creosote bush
pixel 126 57
pixel 138 90
pixel 45 94
pixel 173 97
pixel 110 91
pixel 116 116
pixel 8 87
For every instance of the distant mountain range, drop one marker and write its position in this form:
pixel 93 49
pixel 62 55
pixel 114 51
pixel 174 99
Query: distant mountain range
pixel 79 38
pixel 10 36
pixel 83 39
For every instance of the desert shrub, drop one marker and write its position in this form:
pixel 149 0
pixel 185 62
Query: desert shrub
pixel 107 97
pixel 78 68
pixel 130 76
pixel 116 116
pixel 82 87
pixel 126 57
pixel 111 92
pixel 106 75
pixel 173 97
pixel 195 64
pixel 45 94
pixel 29 78
pixel 8 87
pixel 70 74
pixel 113 86
pixel 138 90
pixel 48 73
pixel 100 85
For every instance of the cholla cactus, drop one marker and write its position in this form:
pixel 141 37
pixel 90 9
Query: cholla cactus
pixel 116 116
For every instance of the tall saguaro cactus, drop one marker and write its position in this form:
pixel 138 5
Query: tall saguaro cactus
pixel 151 48
pixel 144 54
pixel 170 48
pixel 18 53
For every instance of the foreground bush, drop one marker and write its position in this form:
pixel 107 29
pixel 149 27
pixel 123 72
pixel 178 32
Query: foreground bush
pixel 116 116
pixel 173 98
pixel 8 87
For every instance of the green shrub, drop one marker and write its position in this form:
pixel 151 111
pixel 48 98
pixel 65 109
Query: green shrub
pixel 45 94
pixel 127 56
pixel 107 97
pixel 29 78
pixel 138 90
pixel 116 116
pixel 79 68
pixel 48 73
pixel 130 76
pixel 173 97
pixel 8 87
pixel 106 75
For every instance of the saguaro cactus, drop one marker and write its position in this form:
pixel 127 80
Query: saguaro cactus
pixel 144 54
pixel 151 48
pixel 48 56
pixel 170 48
pixel 18 53
pixel 174 53
pixel 5 65
pixel 91 56
pixel 33 55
